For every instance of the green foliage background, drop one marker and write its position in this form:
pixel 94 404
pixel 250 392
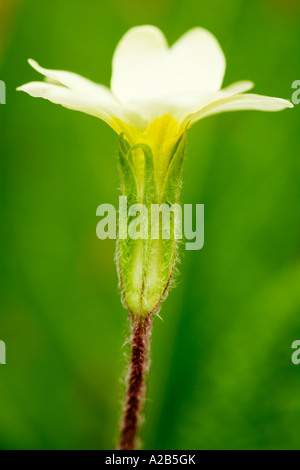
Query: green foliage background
pixel 221 376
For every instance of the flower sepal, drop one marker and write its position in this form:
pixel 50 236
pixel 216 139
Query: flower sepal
pixel 150 225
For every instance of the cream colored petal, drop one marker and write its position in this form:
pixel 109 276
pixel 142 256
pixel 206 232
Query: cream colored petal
pixel 183 104
pixel 74 82
pixel 72 100
pixel 138 64
pixel 196 62
pixel 192 101
pixel 144 68
pixel 240 103
pixel 239 87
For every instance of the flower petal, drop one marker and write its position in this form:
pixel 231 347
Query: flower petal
pixel 239 87
pixel 241 103
pixel 181 105
pixel 144 68
pixel 138 64
pixel 74 82
pixel 72 99
pixel 196 62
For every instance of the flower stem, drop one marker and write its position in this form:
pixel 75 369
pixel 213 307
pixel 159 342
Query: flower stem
pixel 136 387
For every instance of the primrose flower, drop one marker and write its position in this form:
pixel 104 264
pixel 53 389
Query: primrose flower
pixel 157 92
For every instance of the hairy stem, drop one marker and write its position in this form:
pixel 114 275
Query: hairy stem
pixel 136 387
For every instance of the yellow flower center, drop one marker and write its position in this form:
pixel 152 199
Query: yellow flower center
pixel 161 136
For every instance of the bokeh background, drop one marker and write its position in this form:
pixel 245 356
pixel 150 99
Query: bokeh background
pixel 222 376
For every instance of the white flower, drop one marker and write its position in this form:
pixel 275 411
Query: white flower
pixel 156 92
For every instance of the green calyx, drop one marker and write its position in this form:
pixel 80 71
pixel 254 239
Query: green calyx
pixel 149 230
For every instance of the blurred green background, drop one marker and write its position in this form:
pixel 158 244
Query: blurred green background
pixel 222 376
